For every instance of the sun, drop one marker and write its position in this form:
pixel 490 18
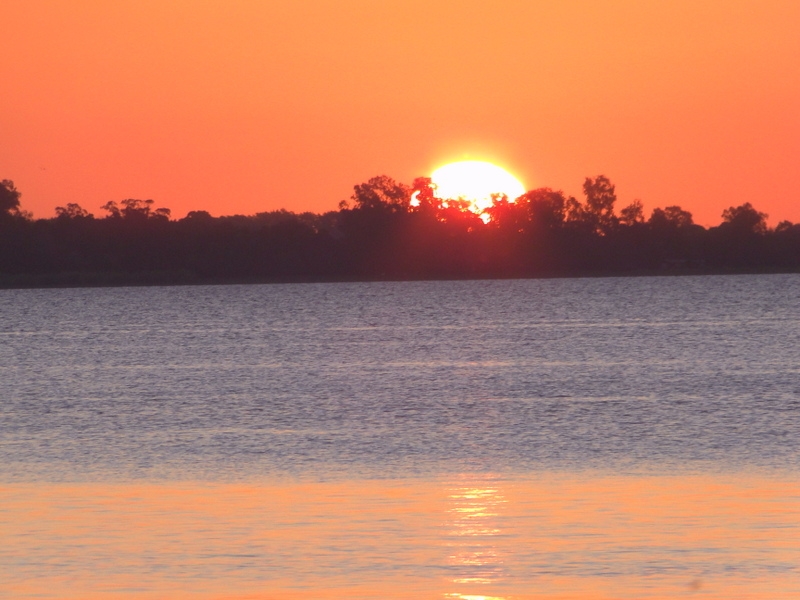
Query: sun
pixel 476 181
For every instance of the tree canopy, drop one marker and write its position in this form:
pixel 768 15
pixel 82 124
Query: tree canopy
pixel 387 229
pixel 9 198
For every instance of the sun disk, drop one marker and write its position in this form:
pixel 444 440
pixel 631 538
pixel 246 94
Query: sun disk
pixel 476 181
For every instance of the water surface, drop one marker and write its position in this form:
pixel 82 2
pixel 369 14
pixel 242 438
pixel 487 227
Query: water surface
pixel 592 438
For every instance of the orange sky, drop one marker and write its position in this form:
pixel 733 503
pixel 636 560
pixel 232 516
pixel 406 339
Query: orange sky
pixel 248 105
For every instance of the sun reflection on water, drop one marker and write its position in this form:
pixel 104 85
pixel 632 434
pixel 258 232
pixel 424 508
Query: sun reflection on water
pixel 474 509
pixel 470 597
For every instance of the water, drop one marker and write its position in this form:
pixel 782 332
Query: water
pixel 592 438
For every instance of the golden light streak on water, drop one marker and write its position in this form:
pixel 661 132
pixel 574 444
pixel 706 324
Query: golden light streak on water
pixel 544 537
pixel 475 504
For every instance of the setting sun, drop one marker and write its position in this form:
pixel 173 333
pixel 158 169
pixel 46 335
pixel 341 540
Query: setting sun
pixel 475 181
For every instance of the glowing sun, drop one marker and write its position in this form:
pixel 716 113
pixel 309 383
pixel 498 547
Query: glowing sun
pixel 476 181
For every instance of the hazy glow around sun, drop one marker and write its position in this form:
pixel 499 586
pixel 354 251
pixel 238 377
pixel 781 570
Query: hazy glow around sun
pixel 476 181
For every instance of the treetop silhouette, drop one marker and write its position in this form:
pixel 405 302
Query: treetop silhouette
pixel 386 230
pixel 9 198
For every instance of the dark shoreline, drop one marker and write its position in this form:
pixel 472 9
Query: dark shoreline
pixel 110 280
pixel 383 237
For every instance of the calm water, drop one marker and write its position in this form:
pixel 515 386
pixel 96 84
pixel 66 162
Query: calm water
pixel 573 438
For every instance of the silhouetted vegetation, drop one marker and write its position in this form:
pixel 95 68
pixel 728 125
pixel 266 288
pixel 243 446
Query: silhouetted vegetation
pixel 9 199
pixel 387 230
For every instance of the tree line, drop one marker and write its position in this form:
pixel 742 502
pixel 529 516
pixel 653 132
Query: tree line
pixel 386 230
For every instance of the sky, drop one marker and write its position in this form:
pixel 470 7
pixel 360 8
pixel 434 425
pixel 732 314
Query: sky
pixel 245 106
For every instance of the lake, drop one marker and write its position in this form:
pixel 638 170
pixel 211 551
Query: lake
pixel 478 440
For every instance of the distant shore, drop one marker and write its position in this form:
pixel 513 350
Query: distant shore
pixel 157 279
pixel 388 231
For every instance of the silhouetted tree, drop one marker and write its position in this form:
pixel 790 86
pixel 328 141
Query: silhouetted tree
pixel 546 209
pixel 505 213
pixel 384 235
pixel 9 198
pixel 599 206
pixel 535 210
pixel 113 210
pixel 73 211
pixel 633 214
pixel 134 209
pixel 383 193
pixel 423 194
pixel 161 214
pixel 741 241
pixel 671 216
pixel 673 239
pixel 199 215
pixel 745 218
pixel 574 211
